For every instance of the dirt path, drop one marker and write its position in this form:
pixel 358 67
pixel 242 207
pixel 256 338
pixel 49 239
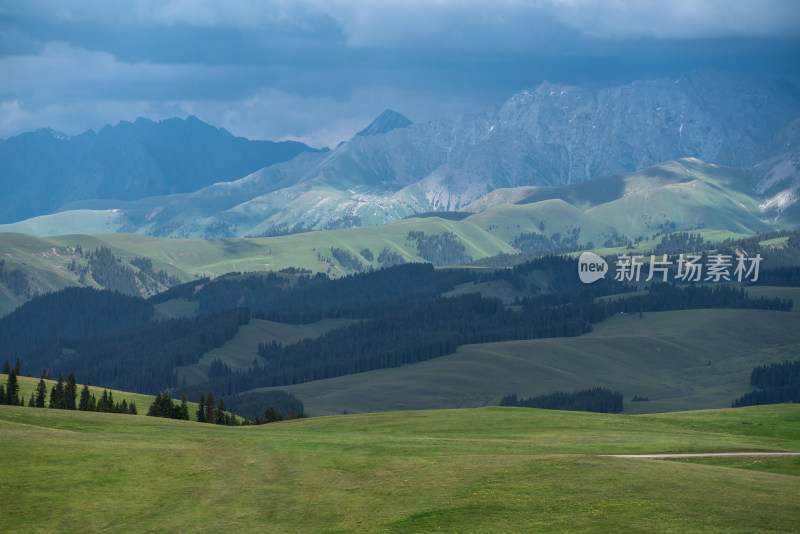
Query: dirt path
pixel 704 455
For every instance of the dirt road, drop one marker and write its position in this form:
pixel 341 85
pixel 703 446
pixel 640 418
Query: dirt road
pixel 704 455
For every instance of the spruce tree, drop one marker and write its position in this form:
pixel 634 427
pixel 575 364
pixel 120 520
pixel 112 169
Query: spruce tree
pixel 12 389
pixel 211 413
pixel 221 412
pixel 86 395
pixel 41 393
pixel 32 401
pixel 18 367
pixel 132 408
pixel 70 392
pixel 272 415
pixel 92 404
pixel 201 410
pixel 2 394
pixel 57 394
pixel 6 368
pixel 184 410
pixel 155 409
pixel 102 404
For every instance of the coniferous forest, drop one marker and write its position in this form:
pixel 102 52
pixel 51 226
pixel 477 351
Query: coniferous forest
pixel 401 314
pixel 599 400
pixel 776 383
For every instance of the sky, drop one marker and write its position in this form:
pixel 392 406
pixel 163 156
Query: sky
pixel 318 71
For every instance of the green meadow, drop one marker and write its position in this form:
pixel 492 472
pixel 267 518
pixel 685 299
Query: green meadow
pixel 679 360
pixel 479 470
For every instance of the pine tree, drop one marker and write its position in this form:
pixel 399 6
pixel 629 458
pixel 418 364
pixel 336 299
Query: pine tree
pixel 211 414
pixel 272 415
pixel 162 406
pixel 184 410
pixel 70 392
pixel 221 412
pixel 102 404
pixel 86 395
pixel 201 410
pixel 57 394
pixel 41 393
pixel 12 389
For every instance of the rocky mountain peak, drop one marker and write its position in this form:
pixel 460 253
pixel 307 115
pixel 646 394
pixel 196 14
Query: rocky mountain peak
pixel 385 122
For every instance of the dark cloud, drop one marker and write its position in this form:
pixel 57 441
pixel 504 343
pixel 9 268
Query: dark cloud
pixel 320 70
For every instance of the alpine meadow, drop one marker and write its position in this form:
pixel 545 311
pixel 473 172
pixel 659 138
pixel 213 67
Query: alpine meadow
pixel 400 267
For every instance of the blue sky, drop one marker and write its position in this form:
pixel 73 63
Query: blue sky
pixel 318 71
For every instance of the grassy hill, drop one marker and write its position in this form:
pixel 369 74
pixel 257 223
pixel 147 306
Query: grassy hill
pixel 681 195
pixel 486 470
pixel 664 356
pixel 685 194
pixel 45 261
pixel 27 385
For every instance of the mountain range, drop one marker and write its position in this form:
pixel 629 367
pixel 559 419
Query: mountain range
pixel 45 170
pixel 550 135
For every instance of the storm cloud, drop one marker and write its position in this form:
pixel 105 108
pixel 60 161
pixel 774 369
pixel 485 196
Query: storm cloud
pixel 319 71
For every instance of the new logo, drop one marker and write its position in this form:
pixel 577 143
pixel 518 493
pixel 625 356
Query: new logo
pixel 591 267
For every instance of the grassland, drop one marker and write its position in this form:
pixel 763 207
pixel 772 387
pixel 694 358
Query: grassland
pixel 683 360
pixel 45 260
pixel 485 470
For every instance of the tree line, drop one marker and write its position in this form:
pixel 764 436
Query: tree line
pixel 441 249
pixel 420 331
pixel 142 358
pixel 299 298
pixel 408 334
pixel 777 382
pixel 63 395
pixel 599 400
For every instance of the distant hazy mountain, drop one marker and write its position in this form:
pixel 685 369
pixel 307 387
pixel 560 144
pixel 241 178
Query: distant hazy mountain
pixel 44 170
pixel 551 135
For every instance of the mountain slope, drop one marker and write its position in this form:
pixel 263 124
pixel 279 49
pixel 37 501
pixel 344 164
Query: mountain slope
pixel 653 357
pixel 43 171
pixel 45 264
pixel 551 135
pixel 682 195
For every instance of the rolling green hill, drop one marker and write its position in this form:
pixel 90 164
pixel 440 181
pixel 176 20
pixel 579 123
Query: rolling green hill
pixel 681 195
pixel 45 261
pixel 663 356
pixel 27 385
pixel 487 470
